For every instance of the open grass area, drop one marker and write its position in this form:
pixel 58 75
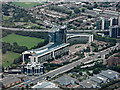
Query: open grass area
pixel 5 17
pixel 26 4
pixel 22 40
pixel 8 58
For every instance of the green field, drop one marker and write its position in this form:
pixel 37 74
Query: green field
pixel 5 17
pixel 22 40
pixel 26 4
pixel 8 58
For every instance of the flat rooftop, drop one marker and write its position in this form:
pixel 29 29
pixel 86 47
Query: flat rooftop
pixel 45 84
pixel 65 80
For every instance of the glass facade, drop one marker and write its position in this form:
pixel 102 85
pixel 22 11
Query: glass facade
pixel 115 32
pixel 58 35
pixel 106 24
pixel 115 21
pixel 99 24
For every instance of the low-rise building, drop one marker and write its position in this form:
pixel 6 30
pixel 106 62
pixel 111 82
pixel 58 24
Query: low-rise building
pixel 110 74
pixel 66 80
pixel 8 82
pixel 13 71
pixel 88 84
pixel 99 79
pixel 45 84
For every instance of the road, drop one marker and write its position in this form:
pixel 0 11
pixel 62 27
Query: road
pixel 38 30
pixel 67 67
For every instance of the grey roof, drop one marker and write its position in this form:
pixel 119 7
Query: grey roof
pixel 43 85
pixel 8 81
pixel 96 79
pixel 52 47
pixel 102 77
pixel 65 80
pixel 109 74
pixel 88 84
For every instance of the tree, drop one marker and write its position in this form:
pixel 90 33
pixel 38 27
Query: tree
pixel 47 78
pixel 76 10
pixel 22 88
pixel 80 79
pixel 14 66
pixel 95 5
pixel 80 73
pixel 83 10
pixel 89 16
pixel 96 71
pixel 27 86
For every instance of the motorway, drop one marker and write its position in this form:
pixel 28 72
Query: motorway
pixel 67 67
pixel 38 30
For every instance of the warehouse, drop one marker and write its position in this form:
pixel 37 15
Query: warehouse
pixel 8 82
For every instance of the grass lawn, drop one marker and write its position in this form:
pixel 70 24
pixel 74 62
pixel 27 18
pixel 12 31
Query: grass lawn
pixel 8 58
pixel 5 17
pixel 22 40
pixel 26 4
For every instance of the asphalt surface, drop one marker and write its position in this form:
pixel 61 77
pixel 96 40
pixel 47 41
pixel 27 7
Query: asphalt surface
pixel 38 30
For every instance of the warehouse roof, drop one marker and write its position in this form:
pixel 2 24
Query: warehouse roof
pixel 9 80
pixel 45 84
pixel 88 84
pixel 109 74
pixel 96 79
pixel 65 80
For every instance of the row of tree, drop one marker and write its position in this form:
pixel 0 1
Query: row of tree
pixel 15 47
pixel 60 9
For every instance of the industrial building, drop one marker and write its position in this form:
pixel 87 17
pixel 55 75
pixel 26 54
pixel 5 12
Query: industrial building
pixel 97 80
pixel 45 84
pixel 88 84
pixel 66 80
pixel 10 81
pixel 110 74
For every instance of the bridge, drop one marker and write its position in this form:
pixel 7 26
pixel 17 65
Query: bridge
pixel 42 30
pixel 80 35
